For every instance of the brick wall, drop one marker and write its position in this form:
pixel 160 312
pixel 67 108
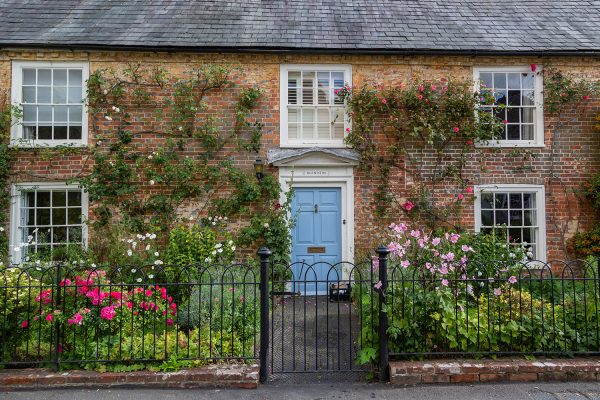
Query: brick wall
pixel 576 151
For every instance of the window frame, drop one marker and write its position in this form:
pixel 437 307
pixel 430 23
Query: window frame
pixel 284 141
pixel 538 125
pixel 17 191
pixel 540 193
pixel 16 136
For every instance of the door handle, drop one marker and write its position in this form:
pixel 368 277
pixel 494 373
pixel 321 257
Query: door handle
pixel 316 208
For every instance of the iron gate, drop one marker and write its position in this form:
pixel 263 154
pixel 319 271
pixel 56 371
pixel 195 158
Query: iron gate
pixel 310 331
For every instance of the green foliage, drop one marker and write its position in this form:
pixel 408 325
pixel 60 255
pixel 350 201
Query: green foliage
pixel 564 91
pixel 205 244
pixel 586 243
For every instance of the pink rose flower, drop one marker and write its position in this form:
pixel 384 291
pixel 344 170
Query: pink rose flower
pixel 456 129
pixel 24 324
pixel 533 67
pixel 420 97
pixel 170 322
pixel 49 317
pixel 107 313
pixel 460 196
pixel 512 280
pixel 469 189
pixel 408 206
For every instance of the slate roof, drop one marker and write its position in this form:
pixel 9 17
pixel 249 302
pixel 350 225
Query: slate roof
pixel 400 26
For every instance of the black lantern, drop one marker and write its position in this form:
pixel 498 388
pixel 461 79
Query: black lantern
pixel 259 169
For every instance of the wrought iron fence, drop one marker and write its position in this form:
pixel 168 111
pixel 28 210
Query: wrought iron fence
pixel 76 315
pixel 499 308
pixel 81 315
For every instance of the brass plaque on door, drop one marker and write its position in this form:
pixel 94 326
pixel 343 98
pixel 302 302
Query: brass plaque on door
pixel 315 250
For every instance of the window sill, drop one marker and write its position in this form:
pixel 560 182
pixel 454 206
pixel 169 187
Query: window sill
pixel 27 144
pixel 329 145
pixel 508 144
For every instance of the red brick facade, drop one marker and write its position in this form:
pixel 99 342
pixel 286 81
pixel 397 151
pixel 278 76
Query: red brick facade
pixel 570 155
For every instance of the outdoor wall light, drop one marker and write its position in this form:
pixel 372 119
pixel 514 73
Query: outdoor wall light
pixel 259 169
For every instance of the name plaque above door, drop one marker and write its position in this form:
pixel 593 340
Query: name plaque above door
pixel 316 172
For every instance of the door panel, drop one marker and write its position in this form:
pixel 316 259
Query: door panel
pixel 316 239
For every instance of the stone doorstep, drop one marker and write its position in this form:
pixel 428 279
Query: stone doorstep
pixel 502 370
pixel 212 376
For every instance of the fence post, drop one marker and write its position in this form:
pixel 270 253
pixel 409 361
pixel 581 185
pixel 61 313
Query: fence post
pixel 264 254
pixel 56 323
pixel 384 373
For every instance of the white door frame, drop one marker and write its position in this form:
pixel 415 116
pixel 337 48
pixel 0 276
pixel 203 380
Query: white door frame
pixel 324 177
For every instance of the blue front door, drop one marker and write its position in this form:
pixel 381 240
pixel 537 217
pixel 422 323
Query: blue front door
pixel 316 239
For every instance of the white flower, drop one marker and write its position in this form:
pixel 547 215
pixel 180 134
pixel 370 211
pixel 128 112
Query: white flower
pixel 220 250
pixel 133 270
pixel 230 242
pixel 158 262
pixel 210 218
pixel 38 262
pixel 147 247
pixel 108 118
pixel 139 280
pixel 207 259
pixel 214 223
pixel 134 244
pixel 129 240
pixel 150 157
pixel 156 253
pixel 529 254
pixel 218 245
pixel 17 249
pixel 512 255
pixel 232 248
pixel 225 219
pixel 129 252
pixel 180 128
pixel 151 182
pixel 191 218
pixel 93 265
pixel 153 236
pixel 2 229
pixel 266 224
pixel 139 236
pixel 214 252
pixel 105 92
pixel 147 234
pixel 150 276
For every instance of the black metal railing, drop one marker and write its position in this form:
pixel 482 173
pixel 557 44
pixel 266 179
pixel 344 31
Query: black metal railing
pixel 74 315
pixel 294 318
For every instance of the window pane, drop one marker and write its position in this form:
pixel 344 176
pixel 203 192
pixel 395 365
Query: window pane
pixel 529 218
pixel 75 234
pixel 323 131
pixel 528 81
pixel 60 77
pixel 75 77
pixel 75 114
pixel 74 199
pixel 59 235
pixel 308 115
pixel 516 200
pixel 60 113
pixel 29 132
pixel 527 98
pixel 338 131
pixel 516 218
pixel 486 80
pixel 43 216
pixel 59 198
pixel 528 200
pixel 44 95
pixel 514 97
pixel 60 132
pixel 45 113
pixel 527 132
pixel 74 216
pixel 43 199
pixel 527 115
pixel 59 95
pixel 499 80
pixel 514 235
pixel 29 94
pixel 501 217
pixel 323 115
pixel 501 200
pixel 75 132
pixel 59 216
pixel 44 77
pixel 512 115
pixel 29 76
pixel 75 95
pixel 29 113
pixel 338 79
pixel 486 200
pixel 500 96
pixel 514 81
pixel 513 132
pixel 44 132
pixel 292 131
pixel 487 218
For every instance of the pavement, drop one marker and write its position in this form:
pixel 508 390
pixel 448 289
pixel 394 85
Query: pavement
pixel 335 391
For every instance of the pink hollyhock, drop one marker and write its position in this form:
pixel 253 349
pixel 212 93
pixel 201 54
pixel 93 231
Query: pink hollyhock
pixel 435 241
pixel 469 189
pixel 241 299
pixel 378 285
pixel 415 234
pixel 445 282
pixel 107 313
pixel 454 238
pixel 408 205
pixel 405 263
pixel 456 129
pixel 533 67
pixel 497 292
pixel 24 324
pixel 460 196
pixel 170 322
pixel 49 317
pixel 512 280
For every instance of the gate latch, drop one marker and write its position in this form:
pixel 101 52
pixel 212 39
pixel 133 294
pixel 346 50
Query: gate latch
pixel 316 208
